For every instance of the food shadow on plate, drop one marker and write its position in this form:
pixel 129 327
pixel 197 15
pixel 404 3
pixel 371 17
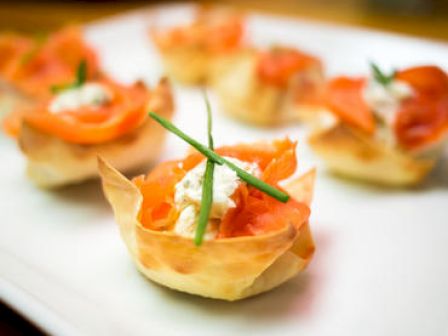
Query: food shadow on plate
pixel 341 182
pixel 438 179
pixel 88 194
pixel 296 298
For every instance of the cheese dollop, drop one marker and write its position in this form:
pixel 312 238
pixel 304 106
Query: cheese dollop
pixel 90 94
pixel 385 100
pixel 188 196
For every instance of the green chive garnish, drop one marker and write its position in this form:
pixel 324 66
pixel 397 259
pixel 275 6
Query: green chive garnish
pixel 380 76
pixel 209 122
pixel 257 183
pixel 81 77
pixel 210 154
pixel 200 147
pixel 81 74
pixel 207 185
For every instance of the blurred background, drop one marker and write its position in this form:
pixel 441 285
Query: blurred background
pixel 426 18
pixel 423 18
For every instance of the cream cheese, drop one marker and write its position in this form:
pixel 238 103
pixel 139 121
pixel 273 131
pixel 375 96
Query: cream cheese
pixel 188 195
pixel 187 221
pixel 385 100
pixel 90 94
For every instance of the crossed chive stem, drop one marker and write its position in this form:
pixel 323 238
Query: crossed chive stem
pixel 80 79
pixel 207 185
pixel 380 76
pixel 212 159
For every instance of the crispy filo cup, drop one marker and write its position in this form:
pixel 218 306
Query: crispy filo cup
pixel 353 154
pixel 11 99
pixel 386 130
pixel 189 52
pixel 186 65
pixel 228 268
pixel 245 96
pixel 53 162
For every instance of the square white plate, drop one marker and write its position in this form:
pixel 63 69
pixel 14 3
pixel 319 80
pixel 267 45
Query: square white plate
pixel 381 262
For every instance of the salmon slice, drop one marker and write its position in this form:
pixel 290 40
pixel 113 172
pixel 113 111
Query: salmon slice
pixel 255 212
pixel 423 119
pixel 343 96
pixel 87 125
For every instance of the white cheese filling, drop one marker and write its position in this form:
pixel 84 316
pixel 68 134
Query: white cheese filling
pixel 90 94
pixel 385 100
pixel 188 196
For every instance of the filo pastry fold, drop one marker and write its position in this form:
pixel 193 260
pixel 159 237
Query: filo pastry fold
pixel 229 268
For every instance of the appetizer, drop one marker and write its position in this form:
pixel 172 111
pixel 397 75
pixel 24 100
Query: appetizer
pixel 192 53
pixel 61 136
pixel 387 129
pixel 29 67
pixel 269 87
pixel 217 223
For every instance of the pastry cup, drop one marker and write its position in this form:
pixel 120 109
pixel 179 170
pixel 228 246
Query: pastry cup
pixel 202 65
pixel 189 52
pixel 11 99
pixel 353 154
pixel 53 162
pixel 245 97
pixel 188 65
pixel 228 269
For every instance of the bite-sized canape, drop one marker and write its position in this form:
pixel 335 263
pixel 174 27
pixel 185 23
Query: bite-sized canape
pixel 193 52
pixel 217 223
pixel 61 136
pixel 385 129
pixel 29 67
pixel 271 87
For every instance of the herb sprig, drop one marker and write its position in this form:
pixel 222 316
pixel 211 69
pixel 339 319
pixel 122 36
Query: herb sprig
pixel 380 76
pixel 216 158
pixel 207 185
pixel 80 79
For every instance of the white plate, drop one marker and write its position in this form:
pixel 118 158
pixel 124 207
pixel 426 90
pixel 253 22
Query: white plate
pixel 380 266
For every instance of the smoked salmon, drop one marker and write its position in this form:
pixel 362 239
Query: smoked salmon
pixel 258 243
pixel 205 44
pixel 385 129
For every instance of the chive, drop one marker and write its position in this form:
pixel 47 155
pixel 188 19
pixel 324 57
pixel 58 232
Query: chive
pixel 200 147
pixel 81 74
pixel 207 185
pixel 380 76
pixel 257 183
pixel 206 202
pixel 57 88
pixel 245 176
pixel 209 122
pixel 81 77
